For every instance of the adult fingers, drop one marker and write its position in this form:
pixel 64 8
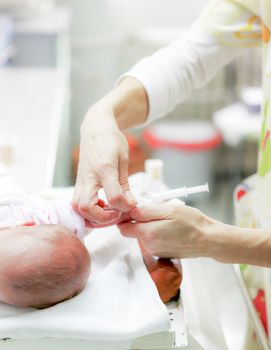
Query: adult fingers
pixel 110 181
pixel 132 230
pixel 85 202
pixel 151 212
pixel 156 211
pixel 123 173
pixel 123 179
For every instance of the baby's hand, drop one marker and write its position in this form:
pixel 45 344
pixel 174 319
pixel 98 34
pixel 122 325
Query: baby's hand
pixel 124 217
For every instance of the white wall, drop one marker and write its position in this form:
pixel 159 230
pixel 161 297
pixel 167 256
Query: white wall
pixel 93 16
pixel 135 14
pixel 89 16
pixel 94 69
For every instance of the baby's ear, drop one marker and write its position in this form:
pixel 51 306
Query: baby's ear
pixel 28 223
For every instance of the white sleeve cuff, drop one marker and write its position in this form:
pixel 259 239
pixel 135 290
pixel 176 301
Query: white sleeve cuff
pixel 188 63
pixel 154 83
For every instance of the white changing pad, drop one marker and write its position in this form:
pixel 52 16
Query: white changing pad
pixel 119 302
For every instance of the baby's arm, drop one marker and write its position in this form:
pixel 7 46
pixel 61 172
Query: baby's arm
pixel 165 273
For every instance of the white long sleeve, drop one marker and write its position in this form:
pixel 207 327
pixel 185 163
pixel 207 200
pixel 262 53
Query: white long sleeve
pixel 190 62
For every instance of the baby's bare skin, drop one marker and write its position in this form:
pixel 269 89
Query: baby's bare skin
pixel 42 260
pixel 41 265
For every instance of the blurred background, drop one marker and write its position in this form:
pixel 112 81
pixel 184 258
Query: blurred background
pixel 58 57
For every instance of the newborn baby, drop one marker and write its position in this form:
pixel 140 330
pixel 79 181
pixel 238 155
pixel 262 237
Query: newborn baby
pixel 42 258
pixel 41 265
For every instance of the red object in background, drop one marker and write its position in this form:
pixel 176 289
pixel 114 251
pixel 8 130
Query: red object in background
pixel 240 194
pixel 260 306
pixel 154 142
pixel 137 154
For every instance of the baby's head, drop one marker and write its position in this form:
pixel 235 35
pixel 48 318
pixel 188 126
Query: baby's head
pixel 44 265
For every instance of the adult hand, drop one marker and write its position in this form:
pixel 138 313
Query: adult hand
pixel 103 162
pixel 170 230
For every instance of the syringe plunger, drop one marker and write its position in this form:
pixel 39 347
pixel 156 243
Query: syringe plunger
pixel 177 193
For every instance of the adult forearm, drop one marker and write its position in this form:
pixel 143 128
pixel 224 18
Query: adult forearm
pixel 178 231
pixel 173 72
pixel 231 244
pixel 104 153
pixel 128 101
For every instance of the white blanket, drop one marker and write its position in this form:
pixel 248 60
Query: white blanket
pixel 120 301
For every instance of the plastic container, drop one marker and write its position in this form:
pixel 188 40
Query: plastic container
pixel 187 150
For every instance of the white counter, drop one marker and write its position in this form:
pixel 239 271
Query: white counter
pixel 31 108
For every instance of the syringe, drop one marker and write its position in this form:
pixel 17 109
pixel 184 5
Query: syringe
pixel 160 197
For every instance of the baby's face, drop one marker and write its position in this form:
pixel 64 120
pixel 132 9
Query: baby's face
pixel 42 250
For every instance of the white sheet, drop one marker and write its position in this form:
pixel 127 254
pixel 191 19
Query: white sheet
pixel 120 301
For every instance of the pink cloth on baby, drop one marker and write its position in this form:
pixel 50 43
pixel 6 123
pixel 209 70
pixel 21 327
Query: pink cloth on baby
pixel 17 209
